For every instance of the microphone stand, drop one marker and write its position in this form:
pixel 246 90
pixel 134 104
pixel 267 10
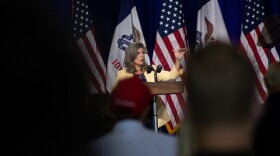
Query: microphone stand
pixel 158 70
pixel 155 107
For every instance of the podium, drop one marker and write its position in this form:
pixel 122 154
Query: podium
pixel 162 88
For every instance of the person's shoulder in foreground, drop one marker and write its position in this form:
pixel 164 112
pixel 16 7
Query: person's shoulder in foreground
pixel 130 104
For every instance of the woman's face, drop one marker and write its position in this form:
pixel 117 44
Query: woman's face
pixel 140 58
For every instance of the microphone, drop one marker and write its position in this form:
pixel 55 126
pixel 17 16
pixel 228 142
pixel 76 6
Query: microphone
pixel 150 69
pixel 159 68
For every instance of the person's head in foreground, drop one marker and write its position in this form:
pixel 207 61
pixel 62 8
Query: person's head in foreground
pixel 221 96
pixel 130 99
pixel 267 131
pixel 130 103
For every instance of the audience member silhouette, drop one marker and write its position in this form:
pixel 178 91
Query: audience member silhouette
pixel 268 129
pixel 45 83
pixel 100 119
pixel 220 111
pixel 130 104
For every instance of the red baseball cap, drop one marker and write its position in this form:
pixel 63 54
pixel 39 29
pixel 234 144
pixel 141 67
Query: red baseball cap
pixel 131 95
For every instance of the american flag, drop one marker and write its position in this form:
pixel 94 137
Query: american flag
pixel 85 38
pixel 171 35
pixel 252 26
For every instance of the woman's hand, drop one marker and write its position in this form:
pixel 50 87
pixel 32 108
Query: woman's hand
pixel 180 53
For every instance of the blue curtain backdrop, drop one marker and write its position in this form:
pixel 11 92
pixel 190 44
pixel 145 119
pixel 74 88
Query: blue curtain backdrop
pixel 105 14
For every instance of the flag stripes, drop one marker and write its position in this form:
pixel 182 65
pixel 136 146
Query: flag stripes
pixel 93 50
pixel 85 38
pixel 253 29
pixel 94 61
pixel 260 86
pixel 164 55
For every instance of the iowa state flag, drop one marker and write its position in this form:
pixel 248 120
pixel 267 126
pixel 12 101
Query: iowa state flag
pixel 127 31
pixel 210 24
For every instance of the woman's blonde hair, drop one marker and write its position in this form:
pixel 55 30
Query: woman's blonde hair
pixel 130 55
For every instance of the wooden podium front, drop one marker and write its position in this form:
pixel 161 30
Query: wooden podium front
pixel 165 87
pixel 161 88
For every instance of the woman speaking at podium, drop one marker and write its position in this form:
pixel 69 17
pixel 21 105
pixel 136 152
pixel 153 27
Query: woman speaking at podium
pixel 134 65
